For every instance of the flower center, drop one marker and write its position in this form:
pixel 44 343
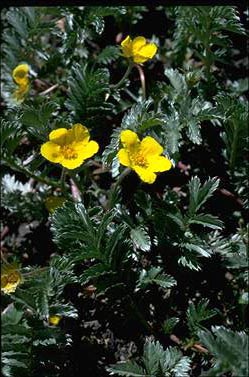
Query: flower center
pixel 68 152
pixel 140 160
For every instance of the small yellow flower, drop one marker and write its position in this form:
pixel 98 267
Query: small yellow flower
pixel 10 278
pixel 138 49
pixel 21 78
pixel 54 320
pixel 20 93
pixel 70 148
pixel 53 202
pixel 20 74
pixel 144 157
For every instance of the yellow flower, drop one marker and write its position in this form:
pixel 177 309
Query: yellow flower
pixel 70 148
pixel 138 50
pixel 54 320
pixel 20 93
pixel 144 157
pixel 10 278
pixel 53 202
pixel 21 78
pixel 20 74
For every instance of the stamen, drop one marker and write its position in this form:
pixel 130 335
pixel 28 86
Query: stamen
pixel 69 153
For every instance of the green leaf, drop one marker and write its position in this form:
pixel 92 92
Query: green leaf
pixel 229 350
pixel 140 238
pixel 206 220
pixel 88 92
pixel 128 368
pixel 108 55
pixel 199 194
pixel 140 119
pixel 194 131
pixel 156 276
pixel 177 80
pixel 169 324
pixel 155 362
pixel 93 272
pixel 198 313
pixel 236 129
pixel 175 363
pixel 37 120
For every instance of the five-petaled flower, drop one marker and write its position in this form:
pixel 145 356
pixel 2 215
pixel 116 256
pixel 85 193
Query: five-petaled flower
pixel 139 50
pixel 70 148
pixel 20 77
pixel 144 157
pixel 10 278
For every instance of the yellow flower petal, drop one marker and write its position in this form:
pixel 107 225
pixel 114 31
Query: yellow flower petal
pixel 51 151
pixel 58 136
pixel 148 51
pixel 80 132
pixel 20 74
pixel 150 146
pixel 86 150
pixel 127 47
pixel 129 138
pixel 123 157
pixel 20 93
pixel 145 174
pixel 159 163
pixel 137 44
pixel 72 163
pixel 54 320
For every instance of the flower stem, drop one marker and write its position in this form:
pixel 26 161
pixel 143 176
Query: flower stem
pixel 13 165
pixel 129 68
pixel 115 186
pixel 62 179
pixel 121 177
pixel 142 79
pixel 75 183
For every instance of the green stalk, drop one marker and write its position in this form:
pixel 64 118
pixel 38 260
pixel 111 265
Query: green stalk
pixel 62 179
pixel 129 68
pixel 13 165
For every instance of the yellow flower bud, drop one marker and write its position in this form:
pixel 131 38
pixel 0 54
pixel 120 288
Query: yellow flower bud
pixel 54 320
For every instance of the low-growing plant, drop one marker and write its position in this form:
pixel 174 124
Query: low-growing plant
pixel 124 240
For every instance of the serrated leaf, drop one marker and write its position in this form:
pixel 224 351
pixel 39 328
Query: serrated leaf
pixel 108 55
pixel 140 238
pixel 206 220
pixel 156 276
pixel 197 313
pixel 177 80
pixel 199 194
pixel 228 348
pixel 128 368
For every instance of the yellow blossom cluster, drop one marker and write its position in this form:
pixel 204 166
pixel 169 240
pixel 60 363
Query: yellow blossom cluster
pixel 20 77
pixel 71 147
